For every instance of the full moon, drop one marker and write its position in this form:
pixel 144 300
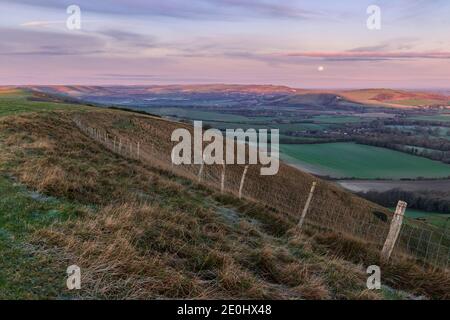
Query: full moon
pixel 320 68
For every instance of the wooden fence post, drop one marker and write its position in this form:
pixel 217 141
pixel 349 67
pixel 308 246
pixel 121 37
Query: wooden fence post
pixel 308 202
pixel 200 172
pixel 138 149
pixel 242 181
pixel 394 231
pixel 222 180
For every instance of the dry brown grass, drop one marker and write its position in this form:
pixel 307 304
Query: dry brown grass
pixel 152 234
pixel 285 192
pixel 400 273
pixel 8 90
pixel 105 247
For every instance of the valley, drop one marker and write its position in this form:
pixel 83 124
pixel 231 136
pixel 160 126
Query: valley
pixel 376 134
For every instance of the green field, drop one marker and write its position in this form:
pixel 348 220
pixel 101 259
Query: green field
pixel 338 119
pixel 194 114
pixel 352 160
pixel 434 218
pixel 298 126
pixel 18 102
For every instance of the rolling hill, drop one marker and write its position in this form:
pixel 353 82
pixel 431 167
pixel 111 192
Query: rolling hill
pixel 396 98
pixel 286 95
pixel 142 229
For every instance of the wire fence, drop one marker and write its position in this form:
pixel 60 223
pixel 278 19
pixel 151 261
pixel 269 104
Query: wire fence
pixel 428 245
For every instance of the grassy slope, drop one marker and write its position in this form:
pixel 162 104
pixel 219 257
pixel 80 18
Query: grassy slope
pixel 138 232
pixel 183 242
pixel 23 273
pixel 365 162
pixel 16 101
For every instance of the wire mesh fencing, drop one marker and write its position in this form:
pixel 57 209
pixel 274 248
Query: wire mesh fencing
pixel 427 244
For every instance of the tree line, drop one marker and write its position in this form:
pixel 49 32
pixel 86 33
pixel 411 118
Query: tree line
pixel 424 200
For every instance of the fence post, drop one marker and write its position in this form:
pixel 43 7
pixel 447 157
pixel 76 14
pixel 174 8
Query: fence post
pixel 242 181
pixel 138 149
pixel 222 180
pixel 308 202
pixel 394 231
pixel 200 172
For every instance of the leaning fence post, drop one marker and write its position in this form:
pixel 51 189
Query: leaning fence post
pixel 308 202
pixel 394 231
pixel 242 181
pixel 200 172
pixel 222 180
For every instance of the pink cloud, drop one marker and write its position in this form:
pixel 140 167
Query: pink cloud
pixel 368 55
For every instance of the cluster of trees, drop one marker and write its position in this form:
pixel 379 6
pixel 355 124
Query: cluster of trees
pixel 424 200
pixel 399 137
pixel 426 132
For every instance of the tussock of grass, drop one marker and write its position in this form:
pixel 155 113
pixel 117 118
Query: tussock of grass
pixel 400 273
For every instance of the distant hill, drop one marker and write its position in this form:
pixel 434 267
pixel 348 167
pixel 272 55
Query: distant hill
pixel 166 89
pixel 292 96
pixel 396 98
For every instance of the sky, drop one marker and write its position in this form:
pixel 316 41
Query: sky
pixel 302 44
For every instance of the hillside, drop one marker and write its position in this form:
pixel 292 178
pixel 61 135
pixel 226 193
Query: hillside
pixel 141 229
pixel 396 98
